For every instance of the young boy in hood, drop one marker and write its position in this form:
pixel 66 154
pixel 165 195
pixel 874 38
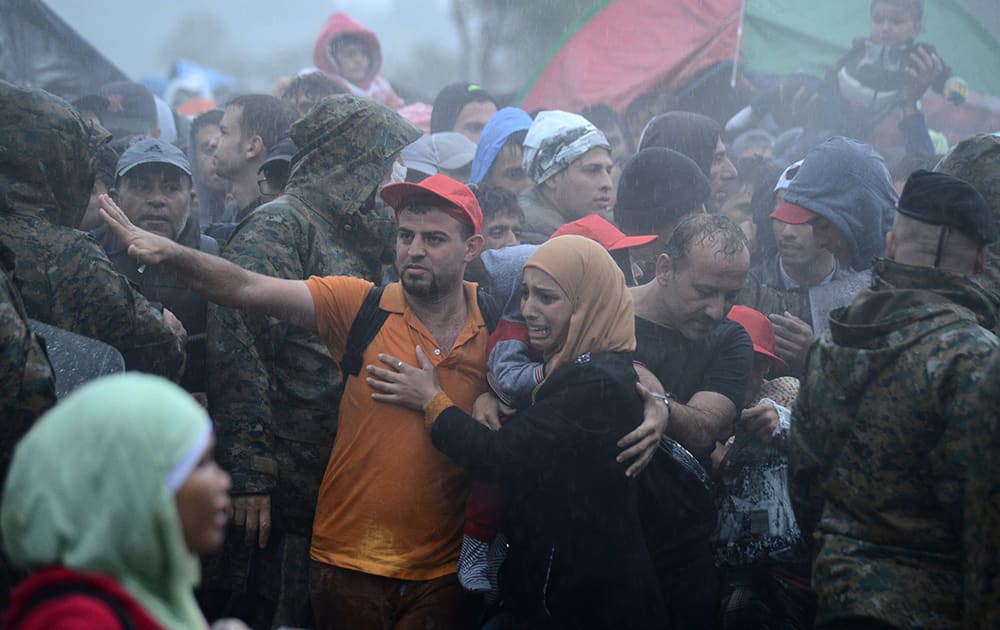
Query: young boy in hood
pixel 351 54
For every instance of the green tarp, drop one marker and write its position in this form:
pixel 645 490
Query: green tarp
pixel 783 36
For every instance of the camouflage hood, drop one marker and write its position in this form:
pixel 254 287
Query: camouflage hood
pixel 905 305
pixel 346 146
pixel 977 161
pixel 47 153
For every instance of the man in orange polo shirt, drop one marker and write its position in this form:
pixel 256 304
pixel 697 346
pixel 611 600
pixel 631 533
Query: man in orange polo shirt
pixel 390 509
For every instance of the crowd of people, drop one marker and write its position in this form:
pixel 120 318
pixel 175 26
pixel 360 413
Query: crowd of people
pixel 467 366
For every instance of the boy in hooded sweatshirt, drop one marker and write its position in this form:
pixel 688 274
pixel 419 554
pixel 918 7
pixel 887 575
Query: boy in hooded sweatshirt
pixel 351 54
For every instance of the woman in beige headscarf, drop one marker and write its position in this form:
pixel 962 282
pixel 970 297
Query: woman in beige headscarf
pixel 577 557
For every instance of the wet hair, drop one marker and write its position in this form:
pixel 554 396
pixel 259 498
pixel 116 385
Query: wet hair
pixel 496 201
pixel 602 115
pixel 662 101
pixel 264 115
pixel 211 117
pixel 704 229
pixel 915 7
pixel 688 133
pixel 762 174
pixel 430 203
pixel 515 139
pixel 313 85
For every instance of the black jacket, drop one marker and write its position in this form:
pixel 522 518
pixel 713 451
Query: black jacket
pixel 159 287
pixel 577 556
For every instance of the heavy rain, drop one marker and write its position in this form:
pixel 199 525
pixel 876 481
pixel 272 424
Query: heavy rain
pixel 500 314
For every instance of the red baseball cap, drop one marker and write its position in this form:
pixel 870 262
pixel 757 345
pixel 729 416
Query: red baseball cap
pixel 458 199
pixel 793 214
pixel 760 329
pixel 598 229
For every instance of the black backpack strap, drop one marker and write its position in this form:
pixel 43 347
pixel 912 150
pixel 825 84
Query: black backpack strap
pixel 365 326
pixel 488 309
pixel 371 318
pixel 65 589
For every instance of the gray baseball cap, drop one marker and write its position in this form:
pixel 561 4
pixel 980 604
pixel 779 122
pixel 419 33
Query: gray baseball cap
pixel 152 151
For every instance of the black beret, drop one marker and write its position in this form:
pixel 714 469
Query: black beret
pixel 940 199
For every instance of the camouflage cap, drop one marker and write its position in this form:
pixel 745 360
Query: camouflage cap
pixel 47 155
pixel 977 161
pixel 346 143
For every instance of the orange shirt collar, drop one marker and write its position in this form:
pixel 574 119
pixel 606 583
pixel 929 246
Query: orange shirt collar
pixel 394 300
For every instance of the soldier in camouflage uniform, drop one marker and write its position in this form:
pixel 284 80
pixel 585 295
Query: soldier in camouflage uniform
pixel 977 161
pixel 273 387
pixel 986 609
pixel 47 169
pixel 27 386
pixel 891 470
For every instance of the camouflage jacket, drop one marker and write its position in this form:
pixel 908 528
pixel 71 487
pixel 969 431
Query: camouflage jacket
pixel 890 469
pixel 46 173
pixel 27 385
pixel 273 388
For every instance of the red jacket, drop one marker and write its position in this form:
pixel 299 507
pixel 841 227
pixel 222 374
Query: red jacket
pixel 73 611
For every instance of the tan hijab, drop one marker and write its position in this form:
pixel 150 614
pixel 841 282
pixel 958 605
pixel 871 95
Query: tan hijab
pixel 602 319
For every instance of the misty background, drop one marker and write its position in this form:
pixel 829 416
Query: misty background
pixel 425 44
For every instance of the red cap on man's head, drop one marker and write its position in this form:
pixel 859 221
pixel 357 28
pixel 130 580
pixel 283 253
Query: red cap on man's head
pixel 598 229
pixel 760 329
pixel 458 199
pixel 793 214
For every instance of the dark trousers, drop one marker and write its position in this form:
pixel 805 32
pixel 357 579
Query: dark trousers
pixel 753 598
pixel 343 599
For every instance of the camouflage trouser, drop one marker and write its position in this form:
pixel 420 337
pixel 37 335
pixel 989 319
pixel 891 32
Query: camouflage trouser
pixel 266 588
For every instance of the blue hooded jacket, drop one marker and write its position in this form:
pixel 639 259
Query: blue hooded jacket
pixel 848 183
pixel 505 122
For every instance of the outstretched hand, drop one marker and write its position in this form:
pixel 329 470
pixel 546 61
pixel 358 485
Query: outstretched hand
pixel 404 384
pixel 145 247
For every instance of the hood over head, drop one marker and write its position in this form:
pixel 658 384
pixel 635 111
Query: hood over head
pixel 346 144
pixel 848 183
pixel 977 161
pixel 688 133
pixel 339 24
pixel 501 126
pixel 47 155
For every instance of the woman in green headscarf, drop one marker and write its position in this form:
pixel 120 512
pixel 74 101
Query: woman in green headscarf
pixel 108 500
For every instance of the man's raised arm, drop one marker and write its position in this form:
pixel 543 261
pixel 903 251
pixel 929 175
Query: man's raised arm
pixel 213 277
